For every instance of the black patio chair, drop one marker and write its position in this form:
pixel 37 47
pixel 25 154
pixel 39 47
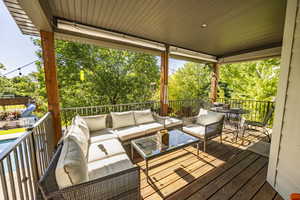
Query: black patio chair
pixel 248 124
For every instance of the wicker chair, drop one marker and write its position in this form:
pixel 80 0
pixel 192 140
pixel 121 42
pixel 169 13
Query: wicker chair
pixel 122 185
pixel 207 129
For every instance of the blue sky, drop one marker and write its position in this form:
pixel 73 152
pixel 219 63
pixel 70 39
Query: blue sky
pixel 17 50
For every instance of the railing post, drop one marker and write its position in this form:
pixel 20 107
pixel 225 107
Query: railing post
pixel 164 82
pixel 214 81
pixel 49 59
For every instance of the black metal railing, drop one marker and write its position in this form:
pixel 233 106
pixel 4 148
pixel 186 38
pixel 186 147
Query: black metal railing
pixel 257 109
pixel 67 114
pixel 187 108
pixel 24 161
pixel 177 108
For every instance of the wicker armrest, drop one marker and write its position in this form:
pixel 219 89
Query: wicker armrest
pixel 121 185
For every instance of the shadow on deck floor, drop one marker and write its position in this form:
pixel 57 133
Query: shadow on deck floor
pixel 226 171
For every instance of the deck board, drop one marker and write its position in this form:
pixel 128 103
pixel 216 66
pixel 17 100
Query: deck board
pixel 228 190
pixel 225 171
pixel 253 185
pixel 265 192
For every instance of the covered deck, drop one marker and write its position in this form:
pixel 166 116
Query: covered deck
pixel 213 32
pixel 225 171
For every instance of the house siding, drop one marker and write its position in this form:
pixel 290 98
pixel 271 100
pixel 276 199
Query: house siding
pixel 284 166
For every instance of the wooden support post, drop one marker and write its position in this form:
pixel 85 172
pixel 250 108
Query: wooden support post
pixel 164 82
pixel 49 59
pixel 214 82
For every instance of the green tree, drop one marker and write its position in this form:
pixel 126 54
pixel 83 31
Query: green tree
pixel 250 80
pixel 190 82
pixel 6 85
pixel 24 85
pixel 111 76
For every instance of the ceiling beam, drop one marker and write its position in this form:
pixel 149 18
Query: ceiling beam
pixel 106 44
pixel 180 53
pixel 93 35
pixel 90 32
pixel 255 54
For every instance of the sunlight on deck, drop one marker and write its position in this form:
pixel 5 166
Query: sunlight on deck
pixel 225 171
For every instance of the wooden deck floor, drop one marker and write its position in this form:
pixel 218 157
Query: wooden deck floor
pixel 226 171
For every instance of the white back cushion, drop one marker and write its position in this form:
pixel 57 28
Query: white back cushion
pixel 122 119
pixel 79 121
pixel 80 137
pixel 95 122
pixel 71 167
pixel 143 116
pixel 207 117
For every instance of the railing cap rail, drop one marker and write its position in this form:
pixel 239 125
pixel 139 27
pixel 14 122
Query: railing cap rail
pixel 111 105
pixel 12 146
pixel 247 100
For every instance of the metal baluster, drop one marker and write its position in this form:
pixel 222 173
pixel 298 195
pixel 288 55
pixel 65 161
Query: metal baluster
pixel 24 176
pixel 29 166
pixel 20 187
pixel 37 150
pixel 11 177
pixel 45 142
pixel 41 149
pixel 34 164
pixel 3 181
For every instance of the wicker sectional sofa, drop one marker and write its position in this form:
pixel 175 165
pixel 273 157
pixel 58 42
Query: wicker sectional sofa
pixel 91 162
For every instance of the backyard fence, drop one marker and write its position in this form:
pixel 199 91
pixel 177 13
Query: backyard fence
pixel 25 160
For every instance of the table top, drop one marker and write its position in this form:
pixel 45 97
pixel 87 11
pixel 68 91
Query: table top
pixel 231 110
pixel 158 144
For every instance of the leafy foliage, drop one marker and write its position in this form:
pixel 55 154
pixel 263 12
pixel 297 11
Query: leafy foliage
pixel 250 80
pixel 192 81
pixel 20 86
pixel 110 76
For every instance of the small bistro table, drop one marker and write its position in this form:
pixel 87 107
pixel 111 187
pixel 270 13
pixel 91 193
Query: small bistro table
pixel 232 113
pixel 153 146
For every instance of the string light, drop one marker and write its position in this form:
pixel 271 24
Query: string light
pixel 20 73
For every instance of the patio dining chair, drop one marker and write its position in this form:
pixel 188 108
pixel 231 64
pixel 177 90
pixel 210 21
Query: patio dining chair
pixel 247 124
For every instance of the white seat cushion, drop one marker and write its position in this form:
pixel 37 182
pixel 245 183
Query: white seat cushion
pixel 122 119
pixel 80 137
pixel 107 166
pixel 198 130
pixel 95 122
pixel 143 116
pixel 129 133
pixel 207 117
pixel 71 167
pixel 105 134
pixel 104 149
pixel 170 122
pixel 151 127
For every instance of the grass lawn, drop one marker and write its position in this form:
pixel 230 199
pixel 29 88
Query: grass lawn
pixel 11 131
